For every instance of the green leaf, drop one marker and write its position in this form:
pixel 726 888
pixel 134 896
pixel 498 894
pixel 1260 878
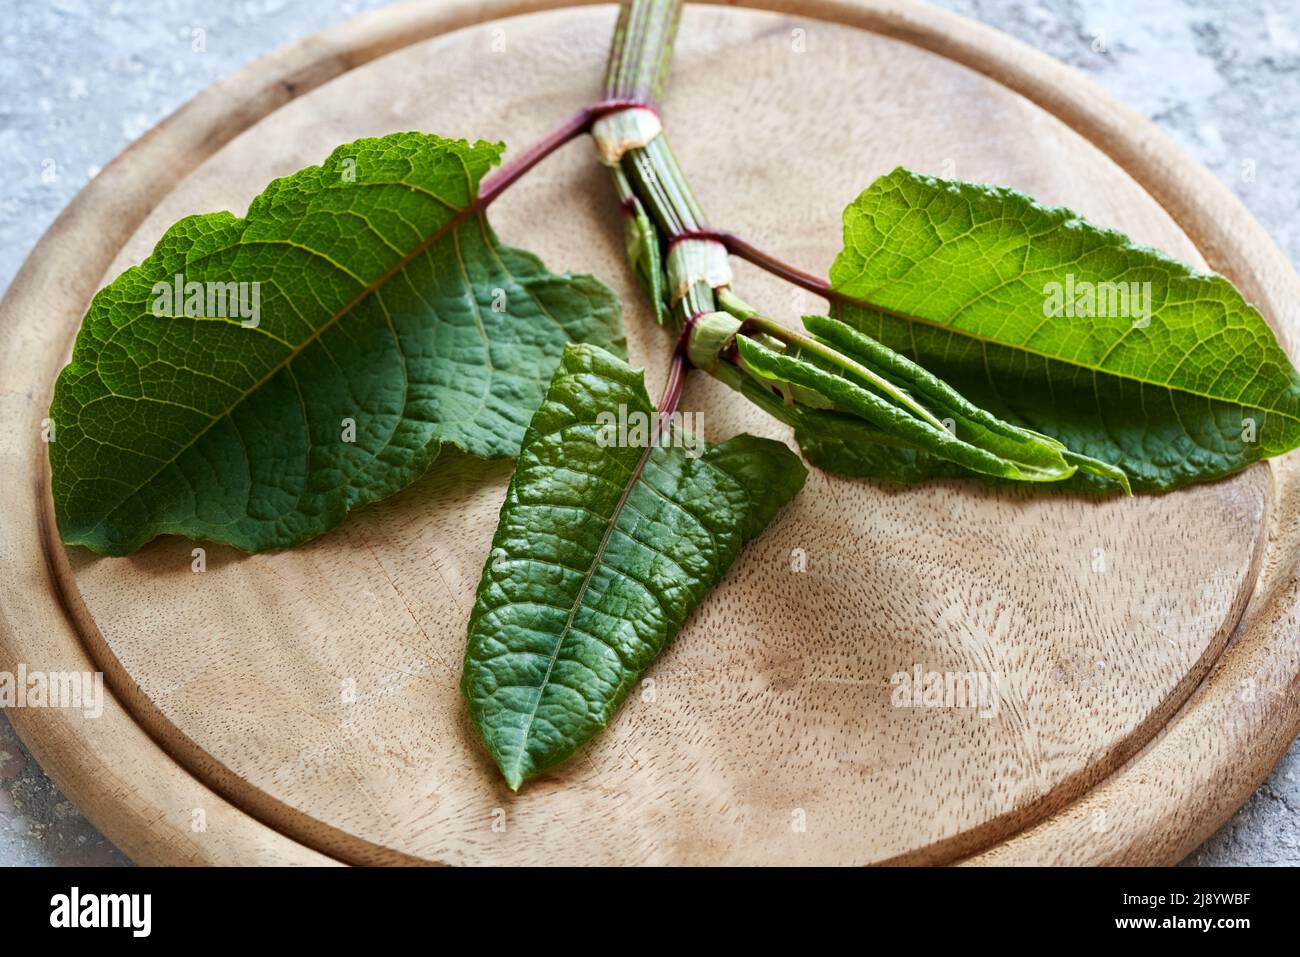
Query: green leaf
pixel 642 243
pixel 1039 457
pixel 976 440
pixel 389 321
pixel 958 277
pixel 603 550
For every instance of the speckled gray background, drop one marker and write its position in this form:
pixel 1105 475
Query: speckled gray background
pixel 79 80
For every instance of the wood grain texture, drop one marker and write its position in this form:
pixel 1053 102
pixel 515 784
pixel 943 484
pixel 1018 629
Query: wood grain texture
pixel 315 691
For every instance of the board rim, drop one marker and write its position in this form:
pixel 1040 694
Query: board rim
pixel 1150 827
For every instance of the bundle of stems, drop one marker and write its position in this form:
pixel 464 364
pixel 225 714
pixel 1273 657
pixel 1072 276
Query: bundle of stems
pixel 829 380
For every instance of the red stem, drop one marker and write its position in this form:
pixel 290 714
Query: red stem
pixel 574 126
pixel 496 184
pixel 673 389
pixel 767 262
pixel 672 393
pixel 580 123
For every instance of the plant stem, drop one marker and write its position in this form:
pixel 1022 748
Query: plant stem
pixel 641 50
pixel 579 123
pixel 767 262
pixel 638 67
pixel 673 389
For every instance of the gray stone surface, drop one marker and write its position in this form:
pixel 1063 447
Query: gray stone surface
pixel 81 80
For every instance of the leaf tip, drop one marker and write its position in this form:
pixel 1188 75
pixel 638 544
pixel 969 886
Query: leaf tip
pixel 513 772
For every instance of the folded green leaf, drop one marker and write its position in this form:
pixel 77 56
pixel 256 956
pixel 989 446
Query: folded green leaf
pixel 967 421
pixel 378 318
pixel 604 548
pixel 1122 354
pixel 642 245
pixel 1002 451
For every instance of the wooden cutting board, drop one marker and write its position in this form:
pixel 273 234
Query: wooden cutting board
pixel 303 706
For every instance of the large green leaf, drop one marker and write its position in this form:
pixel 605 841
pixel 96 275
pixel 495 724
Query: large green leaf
pixel 602 551
pixel 957 276
pixel 391 322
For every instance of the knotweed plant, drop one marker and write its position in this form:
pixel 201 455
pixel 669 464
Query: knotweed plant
pixel 256 379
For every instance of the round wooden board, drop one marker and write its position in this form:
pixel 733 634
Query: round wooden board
pixel 306 702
